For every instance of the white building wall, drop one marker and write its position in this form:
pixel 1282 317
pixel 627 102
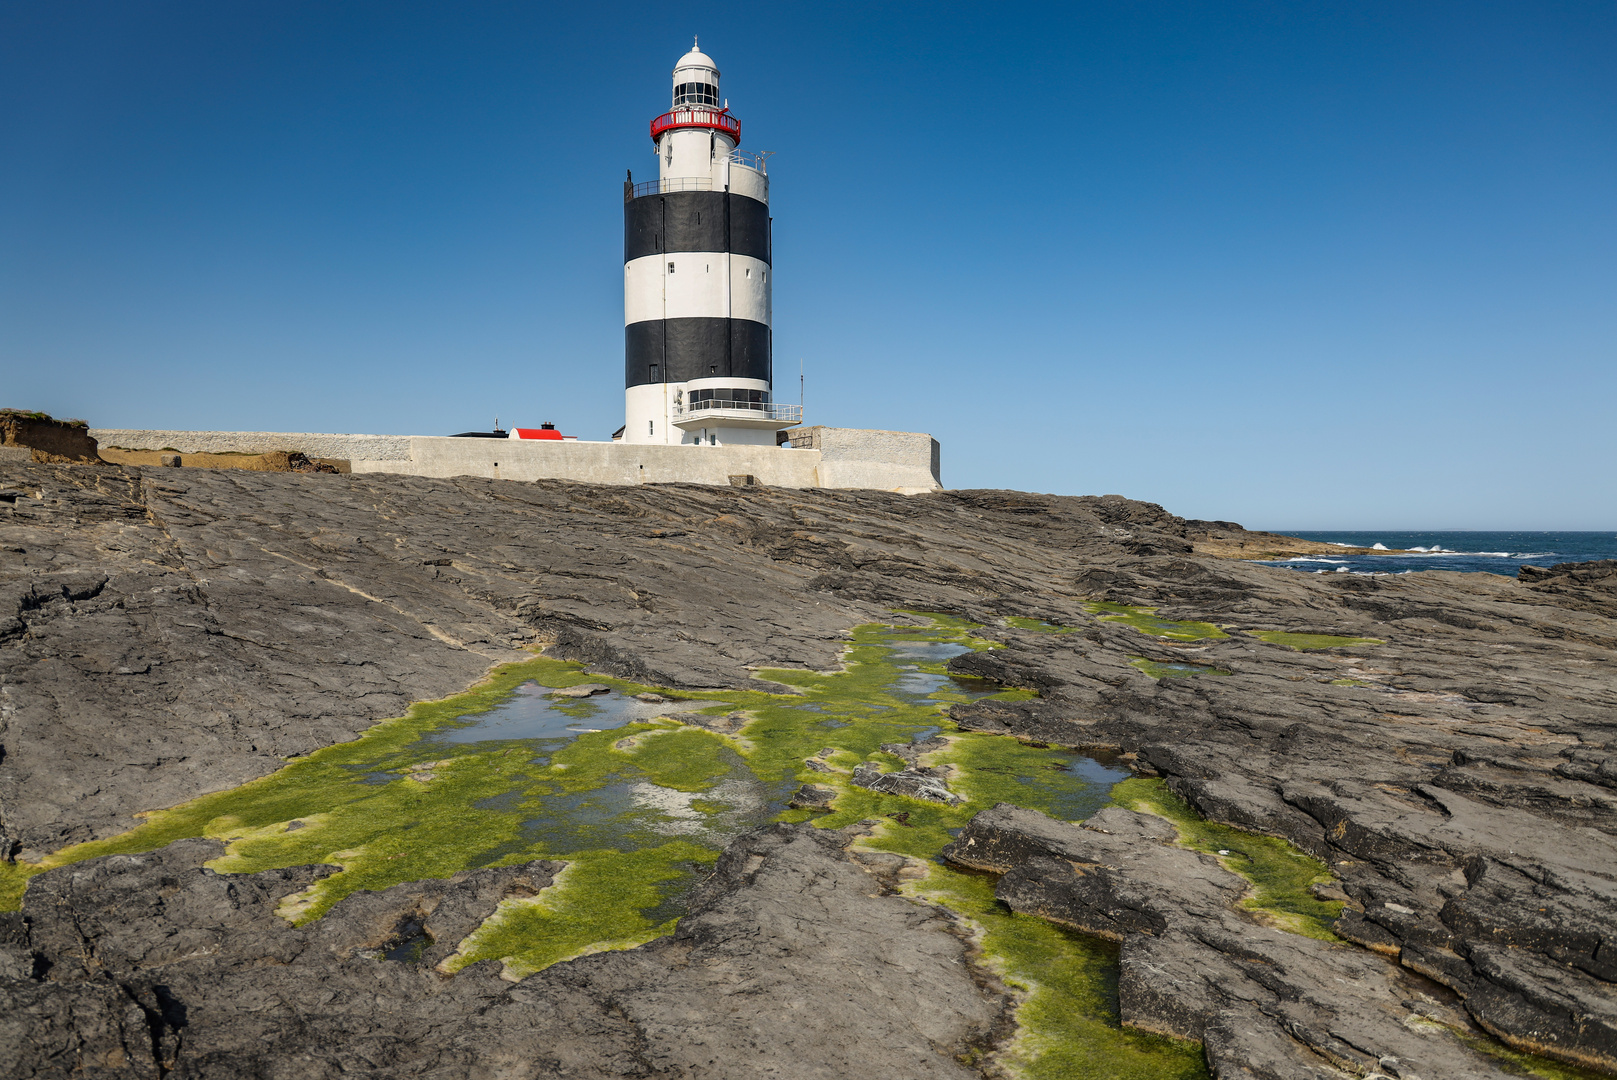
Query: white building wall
pixel 745 180
pixel 692 154
pixel 648 414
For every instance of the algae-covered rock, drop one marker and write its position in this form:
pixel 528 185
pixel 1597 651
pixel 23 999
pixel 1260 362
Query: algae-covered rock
pixel 912 783
pixel 582 690
pixel 813 797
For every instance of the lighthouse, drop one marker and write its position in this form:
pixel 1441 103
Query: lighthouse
pixel 696 288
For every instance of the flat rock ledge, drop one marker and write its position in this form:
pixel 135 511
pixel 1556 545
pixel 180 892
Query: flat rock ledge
pixel 793 961
pixel 1265 1003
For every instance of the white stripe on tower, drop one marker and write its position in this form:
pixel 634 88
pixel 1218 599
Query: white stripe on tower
pixel 695 284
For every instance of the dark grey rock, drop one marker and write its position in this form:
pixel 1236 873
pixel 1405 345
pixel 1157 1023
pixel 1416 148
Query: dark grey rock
pixel 582 690
pixel 792 962
pixel 1265 1003
pixel 165 633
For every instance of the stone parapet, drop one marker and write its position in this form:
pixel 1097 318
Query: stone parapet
pixel 314 445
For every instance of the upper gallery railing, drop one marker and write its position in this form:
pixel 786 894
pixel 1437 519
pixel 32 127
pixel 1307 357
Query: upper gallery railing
pixel 663 187
pixel 698 116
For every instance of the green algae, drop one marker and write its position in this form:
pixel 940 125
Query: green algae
pixel 13 882
pixel 360 806
pixel 1039 625
pixel 1067 1015
pixel 568 920
pixel 1303 642
pixel 310 790
pixel 1159 669
pixel 638 811
pixel 1511 1061
pixel 1524 1064
pixel 1145 620
pixel 1279 873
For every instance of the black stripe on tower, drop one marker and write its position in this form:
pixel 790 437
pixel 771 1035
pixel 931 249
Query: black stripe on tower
pixel 695 221
pixel 679 350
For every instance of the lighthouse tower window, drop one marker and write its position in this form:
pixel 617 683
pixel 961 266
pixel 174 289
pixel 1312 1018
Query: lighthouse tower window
pixel 725 397
pixel 696 93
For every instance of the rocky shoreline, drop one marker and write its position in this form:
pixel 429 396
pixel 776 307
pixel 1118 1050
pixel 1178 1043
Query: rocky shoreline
pixel 166 633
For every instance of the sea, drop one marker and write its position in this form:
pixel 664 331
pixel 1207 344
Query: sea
pixel 1468 552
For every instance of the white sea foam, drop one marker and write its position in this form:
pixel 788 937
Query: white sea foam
pixel 1311 558
pixel 1378 546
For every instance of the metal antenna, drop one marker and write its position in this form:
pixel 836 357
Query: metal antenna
pixel 800 382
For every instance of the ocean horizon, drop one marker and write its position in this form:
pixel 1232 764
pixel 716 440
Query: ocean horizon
pixel 1466 551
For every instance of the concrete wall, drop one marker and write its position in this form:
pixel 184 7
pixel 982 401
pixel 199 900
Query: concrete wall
pixel 905 461
pixel 602 462
pixel 349 447
pixel 901 461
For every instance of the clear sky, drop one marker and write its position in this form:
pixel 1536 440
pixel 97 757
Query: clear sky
pixel 1299 265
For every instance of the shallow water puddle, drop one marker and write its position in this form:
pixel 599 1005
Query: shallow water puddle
pixel 1163 669
pixel 639 798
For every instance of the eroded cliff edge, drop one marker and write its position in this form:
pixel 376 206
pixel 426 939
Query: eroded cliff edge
pixel 168 633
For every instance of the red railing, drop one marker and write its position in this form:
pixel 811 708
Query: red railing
pixel 697 117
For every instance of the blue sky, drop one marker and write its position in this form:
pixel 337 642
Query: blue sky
pixel 1299 265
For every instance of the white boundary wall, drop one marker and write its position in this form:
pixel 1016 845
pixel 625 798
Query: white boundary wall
pixel 900 461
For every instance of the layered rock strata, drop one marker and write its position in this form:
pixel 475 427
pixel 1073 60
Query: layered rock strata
pixel 164 633
pixel 1264 1002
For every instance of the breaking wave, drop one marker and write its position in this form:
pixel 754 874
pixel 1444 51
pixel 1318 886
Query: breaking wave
pixel 1465 552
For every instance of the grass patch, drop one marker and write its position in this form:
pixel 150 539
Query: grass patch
pixel 1145 620
pixel 1303 642
pixel 1280 874
pixel 1160 670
